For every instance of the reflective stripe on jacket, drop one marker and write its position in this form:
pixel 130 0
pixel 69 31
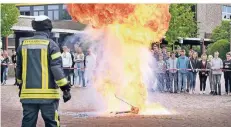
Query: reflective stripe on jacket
pixel 39 68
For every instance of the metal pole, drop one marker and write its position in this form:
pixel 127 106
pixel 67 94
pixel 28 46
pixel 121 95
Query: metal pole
pixel 230 34
pixel 181 42
pixel 123 101
pixel 202 45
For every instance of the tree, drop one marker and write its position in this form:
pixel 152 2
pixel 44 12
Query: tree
pixel 9 16
pixel 222 46
pixel 0 44
pixel 182 24
pixel 221 31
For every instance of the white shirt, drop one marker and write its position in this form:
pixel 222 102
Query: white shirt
pixel 90 62
pixel 67 60
pixel 217 64
pixel 172 64
pixel 79 57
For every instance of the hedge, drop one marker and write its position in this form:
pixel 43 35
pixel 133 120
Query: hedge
pixel 222 46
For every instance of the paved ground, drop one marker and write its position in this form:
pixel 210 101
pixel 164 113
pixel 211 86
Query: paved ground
pixel 185 111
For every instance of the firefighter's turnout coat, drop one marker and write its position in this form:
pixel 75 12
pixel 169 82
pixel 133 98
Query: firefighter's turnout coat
pixel 39 69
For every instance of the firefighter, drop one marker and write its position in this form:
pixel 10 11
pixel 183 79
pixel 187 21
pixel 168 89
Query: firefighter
pixel 39 76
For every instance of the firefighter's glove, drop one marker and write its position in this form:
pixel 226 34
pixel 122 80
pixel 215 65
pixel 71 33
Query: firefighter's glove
pixel 66 92
pixel 19 88
pixel 66 96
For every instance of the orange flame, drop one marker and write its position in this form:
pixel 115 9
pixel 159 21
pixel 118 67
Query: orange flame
pixel 136 26
pixel 99 15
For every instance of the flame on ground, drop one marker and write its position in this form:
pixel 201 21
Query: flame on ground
pixel 128 29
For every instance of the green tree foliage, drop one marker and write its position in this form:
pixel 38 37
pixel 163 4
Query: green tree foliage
pixel 221 32
pixel 222 46
pixel 182 24
pixel 9 16
pixel 0 44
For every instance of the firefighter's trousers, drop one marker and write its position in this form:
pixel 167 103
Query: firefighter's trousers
pixel 49 114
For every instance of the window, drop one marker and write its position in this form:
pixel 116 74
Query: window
pixel 226 12
pixel 38 10
pixel 65 15
pixel 53 12
pixel 24 10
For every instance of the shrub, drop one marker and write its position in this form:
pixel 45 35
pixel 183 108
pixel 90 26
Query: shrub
pixel 221 32
pixel 222 46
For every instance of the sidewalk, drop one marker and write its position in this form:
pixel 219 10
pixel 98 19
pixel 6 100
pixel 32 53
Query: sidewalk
pixel 10 81
pixel 195 110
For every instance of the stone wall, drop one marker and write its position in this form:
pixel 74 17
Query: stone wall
pixel 208 17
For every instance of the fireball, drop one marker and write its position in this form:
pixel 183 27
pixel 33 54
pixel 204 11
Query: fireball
pixel 129 28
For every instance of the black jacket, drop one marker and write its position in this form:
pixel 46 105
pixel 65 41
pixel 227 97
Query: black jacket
pixel 73 63
pixel 227 66
pixel 203 66
pixel 193 64
pixel 13 58
pixel 39 69
pixel 6 62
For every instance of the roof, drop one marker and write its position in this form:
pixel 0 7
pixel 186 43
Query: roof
pixel 197 39
pixel 62 26
pixel 24 28
pixel 29 4
pixel 190 41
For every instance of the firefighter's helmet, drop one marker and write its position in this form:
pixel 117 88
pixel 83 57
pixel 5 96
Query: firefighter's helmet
pixel 42 23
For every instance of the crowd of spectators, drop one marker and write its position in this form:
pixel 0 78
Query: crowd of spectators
pixel 78 67
pixel 176 72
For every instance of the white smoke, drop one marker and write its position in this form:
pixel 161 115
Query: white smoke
pixel 109 64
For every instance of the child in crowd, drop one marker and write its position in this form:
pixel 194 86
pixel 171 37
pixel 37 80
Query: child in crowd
pixel 189 76
pixel 161 71
pixel 172 62
pixel 4 67
pixel 182 65
pixel 217 65
pixel 203 73
pixel 227 73
pixel 193 65
pixel 67 62
pixel 79 64
pixel 209 62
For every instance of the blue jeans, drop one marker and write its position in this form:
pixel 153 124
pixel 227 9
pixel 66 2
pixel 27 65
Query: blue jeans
pixel 80 73
pixel 4 73
pixel 182 77
pixel 173 81
pixel 160 81
pixel 217 83
pixel 167 79
pixel 188 80
pixel 192 80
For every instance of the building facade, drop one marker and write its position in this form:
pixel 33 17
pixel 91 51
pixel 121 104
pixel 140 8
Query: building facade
pixel 63 26
pixel 208 17
pixel 53 11
pixel 211 15
pixel 56 12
